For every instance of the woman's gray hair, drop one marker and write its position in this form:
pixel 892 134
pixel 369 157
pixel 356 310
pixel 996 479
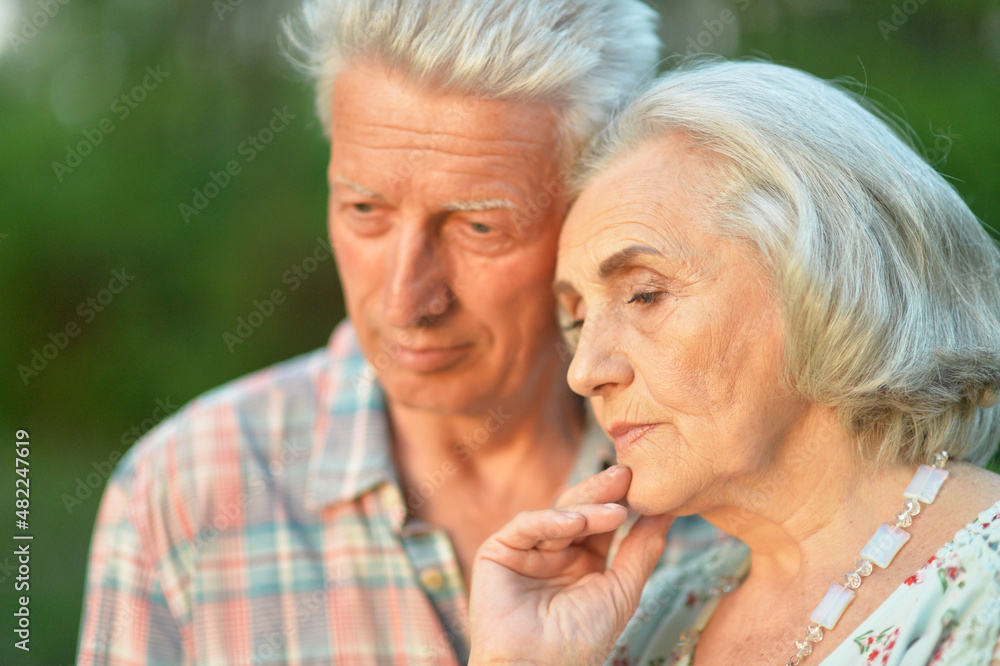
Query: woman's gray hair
pixel 889 285
pixel 584 55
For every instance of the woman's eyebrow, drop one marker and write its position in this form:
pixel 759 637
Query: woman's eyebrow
pixel 621 260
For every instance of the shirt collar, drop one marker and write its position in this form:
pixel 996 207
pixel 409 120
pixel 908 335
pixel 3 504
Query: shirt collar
pixel 351 451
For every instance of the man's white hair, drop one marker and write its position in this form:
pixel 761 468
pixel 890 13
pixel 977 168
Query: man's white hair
pixel 582 55
pixel 890 286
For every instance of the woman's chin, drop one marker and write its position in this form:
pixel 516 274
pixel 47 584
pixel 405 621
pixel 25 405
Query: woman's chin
pixel 653 501
pixel 648 504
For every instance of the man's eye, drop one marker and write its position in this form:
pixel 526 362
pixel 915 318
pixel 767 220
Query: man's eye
pixel 480 228
pixel 571 335
pixel 362 207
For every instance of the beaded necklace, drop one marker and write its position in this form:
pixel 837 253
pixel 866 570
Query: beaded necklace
pixel 880 550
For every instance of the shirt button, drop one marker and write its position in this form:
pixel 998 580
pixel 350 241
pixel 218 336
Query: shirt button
pixel 432 579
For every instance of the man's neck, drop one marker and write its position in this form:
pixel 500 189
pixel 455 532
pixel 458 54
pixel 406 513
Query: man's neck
pixel 471 473
pixel 534 440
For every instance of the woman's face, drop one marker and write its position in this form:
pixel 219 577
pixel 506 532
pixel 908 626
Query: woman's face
pixel 681 338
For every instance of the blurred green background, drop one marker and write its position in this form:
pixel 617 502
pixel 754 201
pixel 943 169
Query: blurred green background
pixel 114 112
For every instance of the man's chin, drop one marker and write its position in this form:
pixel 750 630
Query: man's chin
pixel 442 394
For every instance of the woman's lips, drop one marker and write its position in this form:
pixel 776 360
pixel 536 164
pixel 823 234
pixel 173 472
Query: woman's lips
pixel 430 359
pixel 625 435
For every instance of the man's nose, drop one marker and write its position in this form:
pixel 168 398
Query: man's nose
pixel 416 287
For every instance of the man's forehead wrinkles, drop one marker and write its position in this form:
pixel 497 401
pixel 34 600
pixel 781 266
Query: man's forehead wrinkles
pixel 434 137
pixel 516 159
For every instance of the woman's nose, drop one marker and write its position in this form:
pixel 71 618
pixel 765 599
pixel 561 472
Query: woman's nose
pixel 600 364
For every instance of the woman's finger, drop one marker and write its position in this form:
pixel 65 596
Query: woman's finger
pixel 607 486
pixel 602 521
pixel 539 544
pixel 639 552
pixel 529 529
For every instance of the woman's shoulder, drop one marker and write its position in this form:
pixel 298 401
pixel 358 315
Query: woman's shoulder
pixel 946 612
pixel 974 548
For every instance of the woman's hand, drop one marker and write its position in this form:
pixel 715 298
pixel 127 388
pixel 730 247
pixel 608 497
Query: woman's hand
pixel 541 589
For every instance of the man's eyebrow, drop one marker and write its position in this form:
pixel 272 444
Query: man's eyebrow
pixel 360 189
pixel 620 260
pixel 479 204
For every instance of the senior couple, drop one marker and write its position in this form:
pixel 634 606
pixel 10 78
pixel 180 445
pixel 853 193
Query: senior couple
pixel 786 323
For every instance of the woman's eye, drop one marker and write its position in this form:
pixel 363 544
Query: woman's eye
pixel 646 298
pixel 573 326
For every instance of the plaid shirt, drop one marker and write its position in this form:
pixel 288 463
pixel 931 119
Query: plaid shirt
pixel 264 523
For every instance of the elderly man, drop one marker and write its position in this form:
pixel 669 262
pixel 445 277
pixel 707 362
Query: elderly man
pixel 327 510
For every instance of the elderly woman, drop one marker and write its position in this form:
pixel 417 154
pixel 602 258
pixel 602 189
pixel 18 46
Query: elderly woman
pixel 789 324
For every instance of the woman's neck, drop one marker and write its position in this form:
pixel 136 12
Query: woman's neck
pixel 816 505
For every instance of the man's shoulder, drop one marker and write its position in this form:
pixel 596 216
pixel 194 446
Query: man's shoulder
pixel 240 454
pixel 276 406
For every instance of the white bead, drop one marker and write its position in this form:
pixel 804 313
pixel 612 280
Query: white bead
pixel 903 519
pixel 925 484
pixel 912 506
pixel 836 601
pixel 863 567
pixel 884 545
pixel 815 633
pixel 804 648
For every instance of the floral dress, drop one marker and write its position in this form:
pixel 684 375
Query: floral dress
pixel 947 613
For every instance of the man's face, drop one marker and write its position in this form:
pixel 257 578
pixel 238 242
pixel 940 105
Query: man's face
pixel 445 212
